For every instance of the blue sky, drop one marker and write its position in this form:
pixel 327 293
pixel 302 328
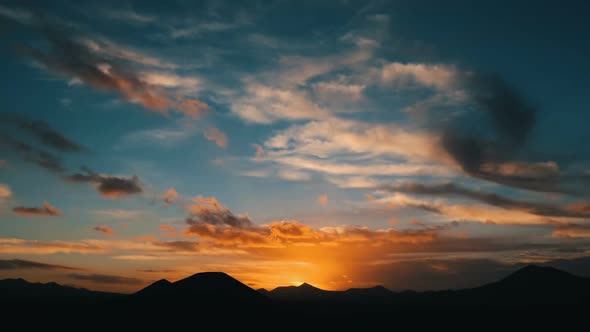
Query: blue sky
pixel 259 137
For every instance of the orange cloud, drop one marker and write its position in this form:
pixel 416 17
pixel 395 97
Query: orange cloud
pixel 21 246
pixel 259 151
pixel 322 199
pixel 169 230
pixel 104 229
pixel 216 135
pixel 170 196
pixel 105 66
pixel 5 192
pixel 109 186
pixel 573 231
pixel 212 221
pixel 46 211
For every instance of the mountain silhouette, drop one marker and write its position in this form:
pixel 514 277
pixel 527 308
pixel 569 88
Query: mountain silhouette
pixel 303 292
pixel 201 289
pixel 532 290
pixel 308 293
pixel 20 291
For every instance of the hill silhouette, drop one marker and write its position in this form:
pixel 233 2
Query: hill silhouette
pixel 532 289
pixel 203 290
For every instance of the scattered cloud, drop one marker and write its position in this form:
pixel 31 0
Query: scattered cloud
pixel 22 246
pixel 490 198
pixel 437 76
pixel 109 186
pixel 128 16
pixel 104 229
pixel 259 152
pixel 104 279
pixel 266 104
pixel 46 211
pixel 169 230
pixel 42 131
pixel 339 91
pixel 209 220
pixel 19 264
pixel 120 213
pixel 572 231
pixel 293 175
pixel 170 196
pixel 323 199
pixel 160 136
pixel 5 192
pixel 216 135
pixel 106 66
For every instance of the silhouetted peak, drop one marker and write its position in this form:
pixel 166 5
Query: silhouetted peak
pixel 161 282
pixel 207 278
pixel 307 286
pixel 536 271
pixel 157 287
pixel 539 276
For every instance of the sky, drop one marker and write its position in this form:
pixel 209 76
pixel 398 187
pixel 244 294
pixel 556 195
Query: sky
pixel 416 145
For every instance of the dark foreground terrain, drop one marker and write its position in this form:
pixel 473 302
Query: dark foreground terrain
pixel 532 296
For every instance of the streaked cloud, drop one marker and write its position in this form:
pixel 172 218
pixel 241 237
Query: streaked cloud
pixel 104 65
pixel 169 231
pixel 490 198
pixel 109 186
pixel 120 213
pixel 104 229
pixel 46 211
pixel 572 231
pixel 293 175
pixel 19 264
pixel 105 279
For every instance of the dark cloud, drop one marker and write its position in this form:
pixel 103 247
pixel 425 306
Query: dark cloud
pixel 490 144
pixel 31 154
pixel 187 246
pixel 105 66
pixel 156 271
pixel 43 132
pixel 212 221
pixel 105 279
pixel 572 231
pixel 442 274
pixel 108 186
pixel 46 211
pixel 18 264
pixel 12 128
pixel 210 211
pixel 451 189
pixel 104 229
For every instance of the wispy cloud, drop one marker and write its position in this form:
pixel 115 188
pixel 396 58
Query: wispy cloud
pixel 46 211
pixel 105 279
pixel 322 200
pixel 127 15
pixel 104 65
pixel 160 136
pixel 120 214
pixel 217 136
pixel 104 229
pixel 5 192
pixel 19 264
